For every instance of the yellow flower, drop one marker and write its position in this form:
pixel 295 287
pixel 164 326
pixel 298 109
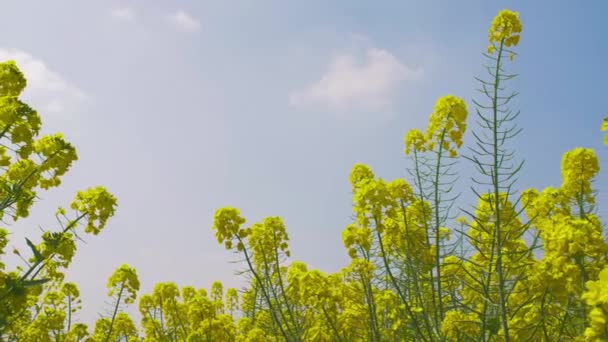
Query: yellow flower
pixel 359 174
pixel 414 140
pixel 579 167
pixel 354 237
pixel 458 326
pixel 227 225
pixel 124 281
pixel 447 124
pixel 505 27
pixel 98 205
pixel 596 297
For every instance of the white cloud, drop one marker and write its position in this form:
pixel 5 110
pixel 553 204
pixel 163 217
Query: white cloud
pixel 46 90
pixel 123 13
pixel 184 21
pixel 349 84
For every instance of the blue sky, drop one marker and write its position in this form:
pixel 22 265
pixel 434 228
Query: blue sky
pixel 182 107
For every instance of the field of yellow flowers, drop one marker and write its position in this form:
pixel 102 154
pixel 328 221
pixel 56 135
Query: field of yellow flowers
pixel 527 265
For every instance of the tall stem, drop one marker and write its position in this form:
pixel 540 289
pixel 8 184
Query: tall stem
pixel 69 312
pixel 122 288
pixel 396 285
pixel 495 181
pixel 264 293
pixel 427 228
pixel 436 209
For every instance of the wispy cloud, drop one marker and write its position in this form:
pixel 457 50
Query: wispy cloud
pixel 184 21
pixel 353 82
pixel 47 91
pixel 123 13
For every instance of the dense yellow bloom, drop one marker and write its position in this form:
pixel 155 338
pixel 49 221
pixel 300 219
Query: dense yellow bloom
pixel 97 205
pixel 268 238
pixel 124 282
pixel 447 124
pixel 483 228
pixel 596 298
pixel 414 140
pixel 232 301
pixel 505 27
pixel 19 128
pixel 357 239
pixel 359 175
pixel 370 200
pixel 452 272
pixel 579 167
pixel 458 326
pixel 12 81
pixel 123 329
pixel 58 155
pixel 18 121
pixel 60 244
pixel 574 249
pixel 362 268
pixel 227 225
pixel 401 191
pixel 78 332
pixel 309 287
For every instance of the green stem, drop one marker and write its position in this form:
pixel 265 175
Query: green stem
pixel 332 324
pixel 437 223
pixel 395 284
pixel 495 181
pixel 413 275
pixel 371 308
pixel 283 292
pixel 122 287
pixel 275 296
pixel 264 293
pixel 427 228
pixel 69 312
pixel 35 265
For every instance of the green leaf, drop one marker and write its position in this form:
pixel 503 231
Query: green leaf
pixel 34 282
pixel 493 325
pixel 36 252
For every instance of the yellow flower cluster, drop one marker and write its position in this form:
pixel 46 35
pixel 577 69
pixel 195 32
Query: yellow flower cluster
pixel 310 287
pixel 12 81
pixel 574 250
pixel 97 205
pixel 58 155
pixel 447 125
pixel 355 238
pixel 227 225
pixel 414 140
pixel 124 282
pixel 449 117
pixel 267 238
pixel 360 174
pixel 458 326
pixel 596 297
pixel 483 229
pixel 579 166
pixel 505 29
pixel 122 329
